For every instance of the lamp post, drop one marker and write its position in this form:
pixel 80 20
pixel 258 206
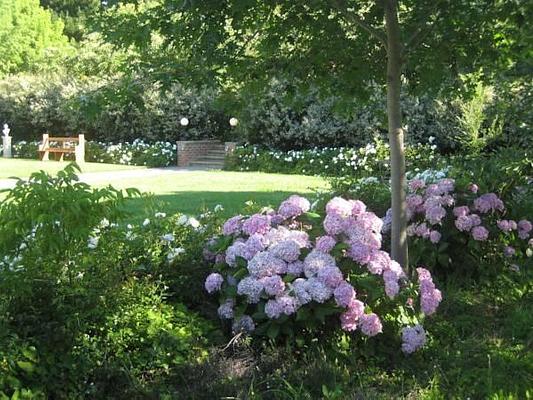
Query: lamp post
pixel 6 141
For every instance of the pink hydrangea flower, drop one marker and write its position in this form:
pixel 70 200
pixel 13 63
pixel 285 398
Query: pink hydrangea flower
pixel 435 214
pixel 392 287
pixel 509 251
pixel 333 224
pixel 358 207
pixel 325 243
pixel 287 250
pixel 446 185
pixel 351 316
pixel 339 207
pixel 251 288
pixel 379 261
pixel 480 233
pixel 359 252
pixel 416 184
pixel 225 311
pixel 370 324
pixel 288 304
pixel 413 338
pixel 257 223
pixel 273 285
pixel 330 276
pixel 434 236
pixel 524 227
pixel 463 223
pixel 232 226
pixel 461 211
pixel 265 263
pixel 488 202
pixel 473 188
pixel 294 206
pixel 252 246
pixel 295 268
pixel 315 261
pixel 213 282
pixel 506 225
pixel 430 296
pixel 344 294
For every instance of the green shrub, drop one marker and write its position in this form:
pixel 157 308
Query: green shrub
pixel 86 308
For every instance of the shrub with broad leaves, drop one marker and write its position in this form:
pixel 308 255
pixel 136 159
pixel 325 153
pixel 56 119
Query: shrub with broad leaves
pixel 293 272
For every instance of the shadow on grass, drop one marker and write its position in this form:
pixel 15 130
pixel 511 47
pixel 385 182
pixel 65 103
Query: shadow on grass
pixel 196 202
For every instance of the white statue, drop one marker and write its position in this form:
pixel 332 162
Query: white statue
pixel 6 130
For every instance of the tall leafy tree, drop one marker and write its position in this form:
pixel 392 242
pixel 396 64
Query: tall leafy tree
pixel 340 44
pixel 74 13
pixel 28 36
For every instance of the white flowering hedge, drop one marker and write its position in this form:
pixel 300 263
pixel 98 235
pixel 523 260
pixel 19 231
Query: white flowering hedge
pixel 369 160
pixel 138 152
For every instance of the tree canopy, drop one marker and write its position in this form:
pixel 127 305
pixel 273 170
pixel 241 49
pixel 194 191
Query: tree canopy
pixel 313 41
pixel 29 36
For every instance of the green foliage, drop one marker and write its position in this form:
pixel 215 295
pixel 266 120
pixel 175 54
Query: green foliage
pixel 112 109
pixel 74 14
pixel 479 349
pixel 84 303
pixel 29 38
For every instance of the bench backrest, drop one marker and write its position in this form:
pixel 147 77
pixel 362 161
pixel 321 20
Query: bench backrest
pixel 64 142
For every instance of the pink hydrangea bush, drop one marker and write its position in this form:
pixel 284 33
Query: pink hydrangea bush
pixel 448 224
pixel 292 271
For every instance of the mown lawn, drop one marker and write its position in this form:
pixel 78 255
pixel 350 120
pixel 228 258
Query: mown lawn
pixel 192 192
pixel 18 168
pixel 189 192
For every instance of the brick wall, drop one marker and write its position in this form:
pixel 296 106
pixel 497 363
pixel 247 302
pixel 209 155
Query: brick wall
pixel 191 150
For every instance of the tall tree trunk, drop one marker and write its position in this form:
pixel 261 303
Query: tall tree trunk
pixel 394 66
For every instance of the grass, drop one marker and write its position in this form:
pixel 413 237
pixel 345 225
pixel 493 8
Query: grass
pixel 479 348
pixel 23 168
pixel 189 192
pixel 192 192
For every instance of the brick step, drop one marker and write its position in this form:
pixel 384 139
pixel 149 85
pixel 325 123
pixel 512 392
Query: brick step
pixel 216 159
pixel 206 165
pixel 216 152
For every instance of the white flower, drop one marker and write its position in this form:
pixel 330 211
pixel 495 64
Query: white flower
pixel 182 220
pixel 104 223
pixel 146 222
pixel 194 222
pixel 175 252
pixel 130 235
pixel 169 237
pixel 160 215
pixel 92 242
pixel 218 208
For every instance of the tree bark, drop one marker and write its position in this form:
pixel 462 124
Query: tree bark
pixel 396 135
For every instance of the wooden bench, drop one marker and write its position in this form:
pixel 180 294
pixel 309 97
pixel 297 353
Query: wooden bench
pixel 59 146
